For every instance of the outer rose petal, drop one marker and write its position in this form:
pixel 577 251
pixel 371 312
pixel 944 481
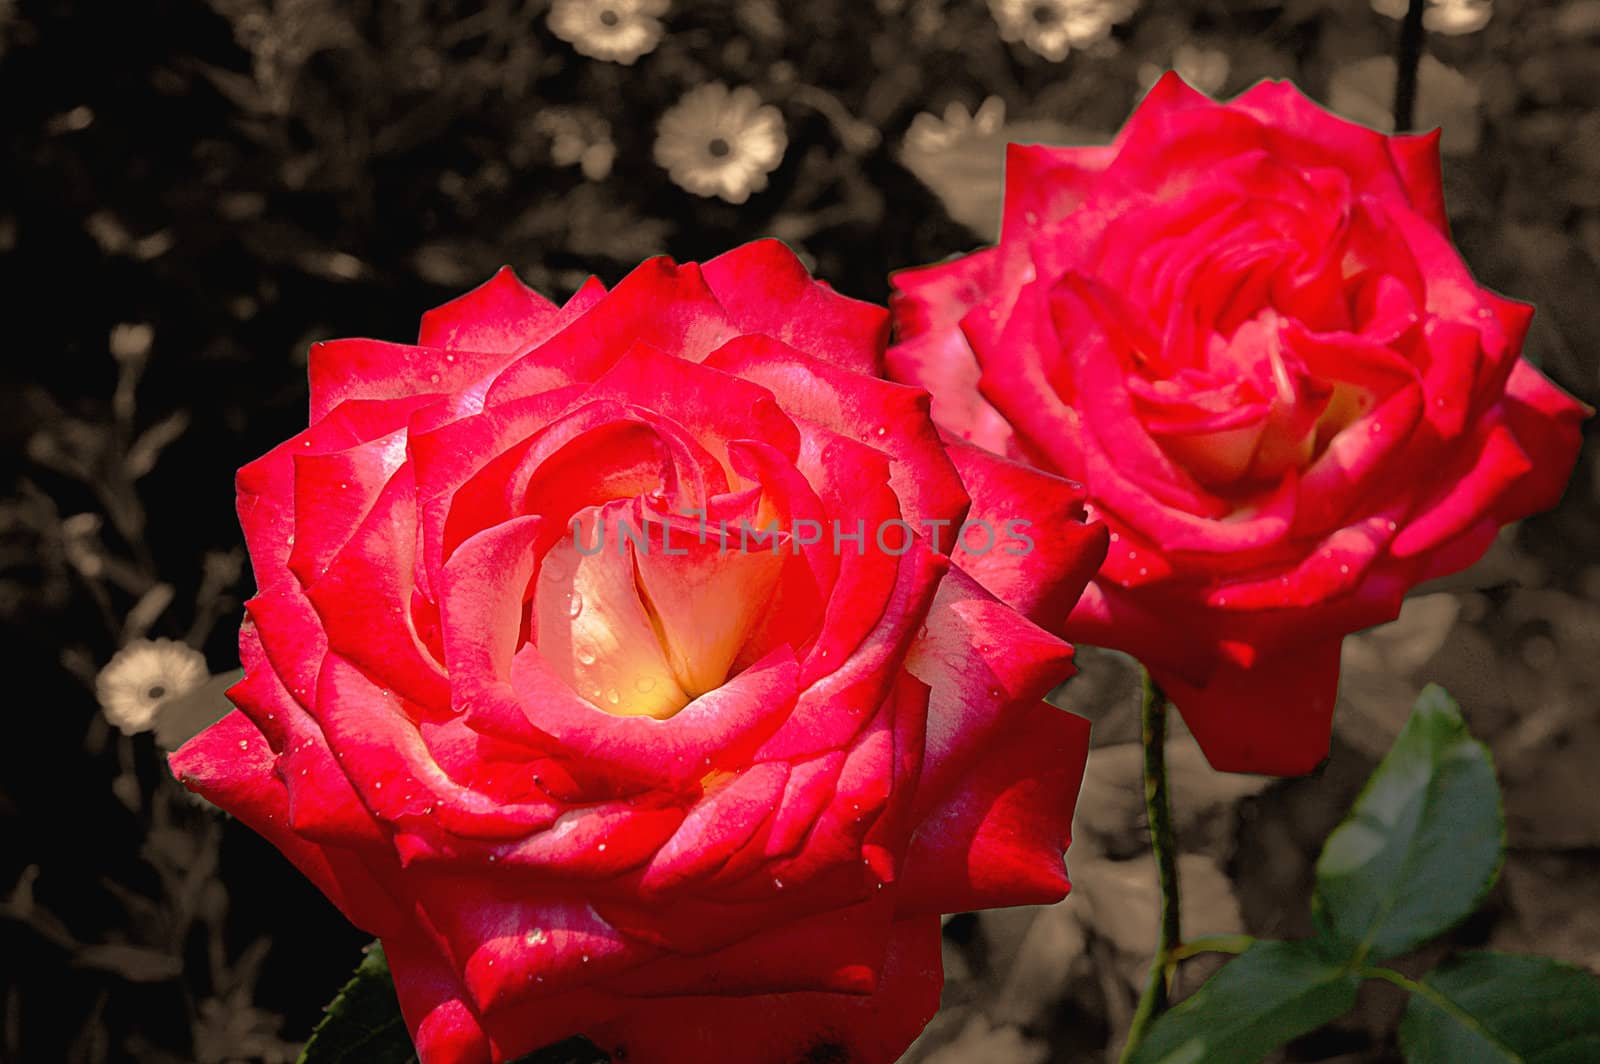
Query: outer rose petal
pixel 230 764
pixel 998 839
pixel 766 290
pixel 783 1028
pixel 1041 554
pixel 931 351
pixel 1274 718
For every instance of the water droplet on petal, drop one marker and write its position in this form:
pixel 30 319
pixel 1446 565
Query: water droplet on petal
pixel 433 378
pixel 644 685
pixel 586 958
pixel 612 696
pixel 244 744
pixel 1344 568
pixel 777 882
pixel 881 431
pixel 536 937
pixel 574 604
pixel 601 848
pixel 585 657
pixel 493 858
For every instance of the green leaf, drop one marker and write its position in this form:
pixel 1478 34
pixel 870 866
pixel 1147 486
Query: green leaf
pixel 362 1025
pixel 1500 1008
pixel 1269 994
pixel 1423 843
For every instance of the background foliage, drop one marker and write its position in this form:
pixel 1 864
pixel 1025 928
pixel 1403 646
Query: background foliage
pixel 195 191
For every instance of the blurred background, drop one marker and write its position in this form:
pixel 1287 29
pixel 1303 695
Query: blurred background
pixel 196 190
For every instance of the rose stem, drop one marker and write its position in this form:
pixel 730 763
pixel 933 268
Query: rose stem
pixel 1406 62
pixel 1163 845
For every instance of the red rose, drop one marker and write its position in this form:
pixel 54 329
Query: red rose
pixel 1244 329
pixel 691 792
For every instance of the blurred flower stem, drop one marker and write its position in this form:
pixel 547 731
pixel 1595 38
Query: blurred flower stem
pixel 1163 845
pixel 1408 59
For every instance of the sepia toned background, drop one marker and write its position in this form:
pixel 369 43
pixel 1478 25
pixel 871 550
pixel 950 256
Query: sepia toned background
pixel 193 192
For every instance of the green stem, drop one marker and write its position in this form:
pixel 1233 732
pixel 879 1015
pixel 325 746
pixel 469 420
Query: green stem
pixel 1163 845
pixel 1211 944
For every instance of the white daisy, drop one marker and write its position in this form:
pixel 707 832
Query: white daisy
pixel 720 142
pixel 617 31
pixel 1053 28
pixel 143 675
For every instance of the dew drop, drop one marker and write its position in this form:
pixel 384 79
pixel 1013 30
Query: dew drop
pixel 601 848
pixel 777 882
pixel 493 858
pixel 644 685
pixel 449 357
pixel 994 692
pixel 1344 568
pixel 1392 526
pixel 1376 428
pixel 433 378
pixel 882 431
pixel 244 744
pixel 1132 554
pixel 586 958
pixel 585 657
pixel 536 937
pixel 612 696
pixel 378 786
pixel 1143 571
pixel 574 604
pixel 1115 537
pixel 343 484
